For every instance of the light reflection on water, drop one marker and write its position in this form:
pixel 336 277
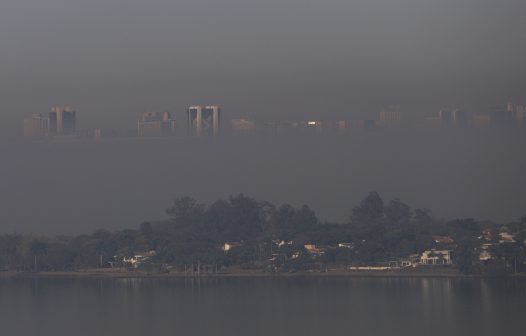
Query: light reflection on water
pixel 252 306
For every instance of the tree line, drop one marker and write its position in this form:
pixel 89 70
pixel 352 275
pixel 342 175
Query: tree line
pixel 195 232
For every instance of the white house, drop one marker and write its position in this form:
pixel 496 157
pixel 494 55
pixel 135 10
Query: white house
pixel 139 258
pixel 436 257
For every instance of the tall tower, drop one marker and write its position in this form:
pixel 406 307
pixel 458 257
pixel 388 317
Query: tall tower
pixel 62 120
pixel 203 120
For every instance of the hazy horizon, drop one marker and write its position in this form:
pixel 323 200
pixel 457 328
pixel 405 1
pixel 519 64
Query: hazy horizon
pixel 271 60
pixel 74 187
pixel 264 60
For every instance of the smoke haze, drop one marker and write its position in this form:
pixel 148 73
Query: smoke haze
pixel 79 187
pixel 292 59
pixel 265 60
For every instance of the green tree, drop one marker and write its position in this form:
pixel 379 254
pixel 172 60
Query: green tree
pixel 397 213
pixel 423 217
pixel 185 209
pixel 371 209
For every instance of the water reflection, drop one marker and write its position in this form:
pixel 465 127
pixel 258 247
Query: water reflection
pixel 298 306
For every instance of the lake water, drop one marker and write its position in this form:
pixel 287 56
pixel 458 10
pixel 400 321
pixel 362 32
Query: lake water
pixel 258 306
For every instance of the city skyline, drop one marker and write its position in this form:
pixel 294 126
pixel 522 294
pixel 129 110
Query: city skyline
pixel 359 58
pixel 206 120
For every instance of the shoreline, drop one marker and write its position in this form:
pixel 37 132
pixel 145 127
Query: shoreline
pixel 96 274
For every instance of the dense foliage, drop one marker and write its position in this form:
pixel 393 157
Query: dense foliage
pixel 377 231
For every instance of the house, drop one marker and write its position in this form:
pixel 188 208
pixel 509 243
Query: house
pixel 281 243
pixel 485 253
pixel 411 261
pixel 227 247
pixel 140 258
pixel 436 257
pixel 314 250
pixel 488 234
pixel 346 245
pixel 506 237
pixel 442 240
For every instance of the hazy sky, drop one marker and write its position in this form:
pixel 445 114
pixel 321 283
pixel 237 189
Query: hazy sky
pixel 272 59
pixel 80 187
pixel 268 60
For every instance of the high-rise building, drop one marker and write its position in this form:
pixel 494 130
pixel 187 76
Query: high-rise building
pixel 62 120
pixel 460 118
pixel 155 124
pixel 366 124
pixel 203 120
pixel 520 115
pixel 453 118
pixel 390 116
pixel 502 117
pixel 341 126
pixel 36 126
pixel 446 117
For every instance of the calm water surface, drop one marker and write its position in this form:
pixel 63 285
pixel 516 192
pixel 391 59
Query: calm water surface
pixel 319 306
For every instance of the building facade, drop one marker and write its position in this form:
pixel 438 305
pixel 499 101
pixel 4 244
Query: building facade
pixel 62 120
pixel 36 126
pixel 203 120
pixel 436 257
pixel 390 116
pixel 155 125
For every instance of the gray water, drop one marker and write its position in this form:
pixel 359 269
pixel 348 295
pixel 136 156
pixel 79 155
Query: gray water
pixel 299 306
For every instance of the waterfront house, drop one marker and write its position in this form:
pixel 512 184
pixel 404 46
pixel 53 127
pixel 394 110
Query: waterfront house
pixel 230 245
pixel 506 237
pixel 411 261
pixel 314 250
pixel 436 257
pixel 281 243
pixel 485 253
pixel 140 258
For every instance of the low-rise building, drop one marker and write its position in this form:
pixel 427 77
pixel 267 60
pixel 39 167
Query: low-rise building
pixel 227 247
pixel 410 261
pixel 506 237
pixel 280 242
pixel 436 257
pixel 155 124
pixel 314 250
pixel 488 234
pixel 485 253
pixel 140 258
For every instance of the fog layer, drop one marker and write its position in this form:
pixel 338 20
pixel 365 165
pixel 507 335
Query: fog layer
pixel 79 187
pixel 286 59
